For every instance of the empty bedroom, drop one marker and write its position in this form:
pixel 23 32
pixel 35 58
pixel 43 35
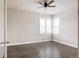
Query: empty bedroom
pixel 42 28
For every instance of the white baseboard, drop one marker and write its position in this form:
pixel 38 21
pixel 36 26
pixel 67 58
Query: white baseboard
pixel 75 46
pixel 65 43
pixel 27 42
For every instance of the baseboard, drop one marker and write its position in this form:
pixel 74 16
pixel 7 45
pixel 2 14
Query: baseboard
pixel 65 43
pixel 75 46
pixel 27 43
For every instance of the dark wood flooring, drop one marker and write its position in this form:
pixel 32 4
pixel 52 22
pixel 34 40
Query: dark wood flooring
pixel 42 50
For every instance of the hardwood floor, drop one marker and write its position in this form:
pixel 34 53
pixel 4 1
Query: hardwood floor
pixel 42 50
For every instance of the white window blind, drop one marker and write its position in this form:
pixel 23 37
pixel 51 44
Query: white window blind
pixel 56 24
pixel 45 26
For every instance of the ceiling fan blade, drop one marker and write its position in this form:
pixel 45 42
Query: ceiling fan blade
pixel 50 2
pixel 51 6
pixel 41 3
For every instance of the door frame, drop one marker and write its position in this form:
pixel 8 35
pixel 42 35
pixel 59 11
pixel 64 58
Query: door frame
pixel 5 29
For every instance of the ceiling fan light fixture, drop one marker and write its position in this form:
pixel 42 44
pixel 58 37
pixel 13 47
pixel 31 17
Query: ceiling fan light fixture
pixel 46 4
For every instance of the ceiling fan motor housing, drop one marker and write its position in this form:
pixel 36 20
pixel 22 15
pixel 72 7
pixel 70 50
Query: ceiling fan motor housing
pixel 45 4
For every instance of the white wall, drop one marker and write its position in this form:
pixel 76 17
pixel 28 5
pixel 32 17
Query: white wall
pixel 1 32
pixel 1 27
pixel 68 33
pixel 23 28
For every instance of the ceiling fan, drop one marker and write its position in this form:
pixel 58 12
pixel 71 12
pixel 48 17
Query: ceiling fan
pixel 46 3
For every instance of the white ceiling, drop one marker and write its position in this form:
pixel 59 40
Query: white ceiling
pixel 31 5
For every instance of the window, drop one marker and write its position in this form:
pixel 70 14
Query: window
pixel 42 25
pixel 49 27
pixel 56 24
pixel 45 26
